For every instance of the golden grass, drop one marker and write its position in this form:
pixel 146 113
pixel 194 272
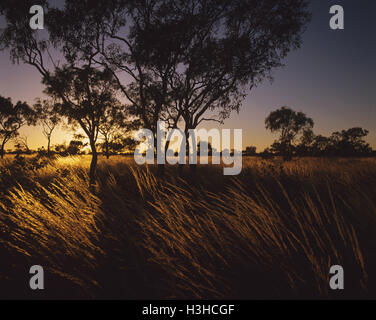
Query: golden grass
pixel 271 232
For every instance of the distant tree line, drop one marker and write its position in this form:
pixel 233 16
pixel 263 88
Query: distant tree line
pixel 296 138
pixel 346 143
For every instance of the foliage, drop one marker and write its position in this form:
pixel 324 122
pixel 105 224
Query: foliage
pixel 86 95
pixel 12 118
pixel 289 124
pixel 48 118
pixel 181 59
pixel 347 143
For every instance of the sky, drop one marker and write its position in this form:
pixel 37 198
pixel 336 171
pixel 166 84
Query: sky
pixel 331 78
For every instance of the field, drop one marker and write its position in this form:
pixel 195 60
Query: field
pixel 271 232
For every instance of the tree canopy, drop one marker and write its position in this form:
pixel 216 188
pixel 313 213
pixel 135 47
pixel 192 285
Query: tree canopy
pixel 12 118
pixel 289 124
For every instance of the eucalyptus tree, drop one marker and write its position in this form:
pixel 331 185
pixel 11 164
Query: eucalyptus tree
pixel 116 129
pixel 83 92
pixel 192 59
pixel 289 124
pixel 48 118
pixel 12 118
pixel 183 61
pixel 86 96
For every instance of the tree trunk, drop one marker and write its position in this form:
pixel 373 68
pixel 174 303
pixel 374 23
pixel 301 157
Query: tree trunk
pixel 48 146
pixel 94 161
pixel 192 166
pixel 288 155
pixel 181 166
pixel 2 149
pixel 160 166
pixel 107 149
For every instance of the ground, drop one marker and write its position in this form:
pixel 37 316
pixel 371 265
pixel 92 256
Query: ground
pixel 271 232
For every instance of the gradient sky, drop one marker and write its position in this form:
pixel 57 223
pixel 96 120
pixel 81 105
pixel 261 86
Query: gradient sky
pixel 332 78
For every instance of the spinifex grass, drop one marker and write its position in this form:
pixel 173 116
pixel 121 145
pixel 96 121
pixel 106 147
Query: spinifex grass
pixel 271 232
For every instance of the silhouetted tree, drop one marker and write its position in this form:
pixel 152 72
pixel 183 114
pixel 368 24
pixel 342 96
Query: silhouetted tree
pixel 118 144
pixel 289 124
pixel 75 147
pixel 305 145
pixel 321 146
pixel 350 142
pixel 12 118
pixel 109 32
pixel 266 154
pixel 22 144
pixel 116 130
pixel 193 59
pixel 86 94
pixel 61 149
pixel 48 118
pixel 187 60
pixel 343 143
pixel 250 151
pixel 83 91
pixel 216 50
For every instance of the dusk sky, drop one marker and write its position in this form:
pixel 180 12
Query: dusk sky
pixel 331 78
